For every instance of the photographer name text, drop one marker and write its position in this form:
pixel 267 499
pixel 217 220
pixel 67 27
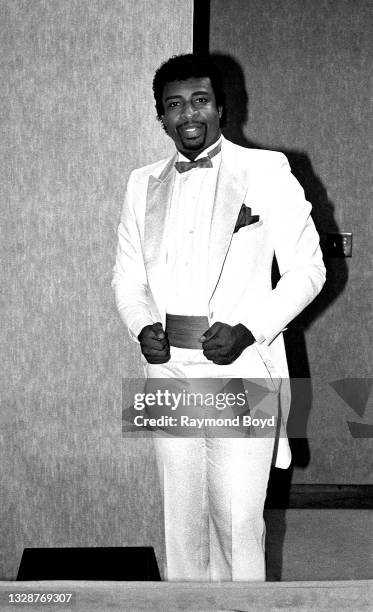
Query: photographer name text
pixel 200 422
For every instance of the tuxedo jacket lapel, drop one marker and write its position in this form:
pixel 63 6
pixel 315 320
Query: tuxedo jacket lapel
pixel 157 206
pixel 230 194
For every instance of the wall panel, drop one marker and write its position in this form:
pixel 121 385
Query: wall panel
pixel 300 81
pixel 77 115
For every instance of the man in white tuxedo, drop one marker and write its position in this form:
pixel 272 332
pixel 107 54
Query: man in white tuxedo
pixel 197 238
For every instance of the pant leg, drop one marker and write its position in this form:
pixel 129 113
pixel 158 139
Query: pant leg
pixel 182 474
pixel 182 471
pixel 237 476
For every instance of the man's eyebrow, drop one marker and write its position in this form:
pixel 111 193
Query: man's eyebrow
pixel 195 93
pixel 172 97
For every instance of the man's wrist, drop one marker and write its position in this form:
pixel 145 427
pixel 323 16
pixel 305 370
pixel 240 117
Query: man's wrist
pixel 138 325
pixel 258 336
pixel 244 332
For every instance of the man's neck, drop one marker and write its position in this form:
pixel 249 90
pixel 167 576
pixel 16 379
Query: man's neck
pixel 193 155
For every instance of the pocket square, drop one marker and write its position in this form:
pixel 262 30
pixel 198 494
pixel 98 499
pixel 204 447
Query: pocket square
pixel 245 218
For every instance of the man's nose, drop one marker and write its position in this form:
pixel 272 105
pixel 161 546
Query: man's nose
pixel 188 110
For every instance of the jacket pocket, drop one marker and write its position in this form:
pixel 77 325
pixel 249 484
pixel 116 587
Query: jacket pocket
pixel 249 228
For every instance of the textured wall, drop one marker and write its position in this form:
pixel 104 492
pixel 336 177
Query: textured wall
pixel 77 116
pixel 306 68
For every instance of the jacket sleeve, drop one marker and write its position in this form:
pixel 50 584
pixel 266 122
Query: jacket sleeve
pixel 129 279
pixel 297 249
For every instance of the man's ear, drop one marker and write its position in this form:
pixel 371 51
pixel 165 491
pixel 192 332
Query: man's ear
pixel 220 111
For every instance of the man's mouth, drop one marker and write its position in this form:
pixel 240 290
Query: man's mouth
pixel 191 130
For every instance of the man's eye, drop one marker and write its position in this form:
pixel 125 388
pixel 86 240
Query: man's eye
pixel 202 100
pixel 172 104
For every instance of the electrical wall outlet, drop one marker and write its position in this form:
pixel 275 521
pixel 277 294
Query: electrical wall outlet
pixel 339 244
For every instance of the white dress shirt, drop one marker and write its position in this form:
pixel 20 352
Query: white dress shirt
pixel 188 232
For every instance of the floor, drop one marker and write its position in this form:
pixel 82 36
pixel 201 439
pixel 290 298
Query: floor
pixel 198 597
pixel 317 560
pixel 323 544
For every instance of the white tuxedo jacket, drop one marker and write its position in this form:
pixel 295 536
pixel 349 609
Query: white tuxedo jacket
pixel 239 266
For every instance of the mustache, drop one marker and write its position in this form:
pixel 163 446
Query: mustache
pixel 190 124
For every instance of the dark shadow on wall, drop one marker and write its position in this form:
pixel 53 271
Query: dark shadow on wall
pixel 234 121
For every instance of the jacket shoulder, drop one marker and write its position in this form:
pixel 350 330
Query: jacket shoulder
pixel 154 169
pixel 261 157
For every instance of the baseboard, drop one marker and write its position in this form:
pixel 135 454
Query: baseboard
pixel 320 496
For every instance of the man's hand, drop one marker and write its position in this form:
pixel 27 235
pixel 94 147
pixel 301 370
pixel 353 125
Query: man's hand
pixel 154 343
pixel 222 343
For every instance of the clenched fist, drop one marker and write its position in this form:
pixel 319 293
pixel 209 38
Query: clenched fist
pixel 223 343
pixel 154 343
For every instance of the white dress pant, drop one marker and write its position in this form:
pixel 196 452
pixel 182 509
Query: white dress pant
pixel 214 491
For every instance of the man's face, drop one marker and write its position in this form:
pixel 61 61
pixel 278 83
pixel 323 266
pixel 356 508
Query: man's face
pixel 191 117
